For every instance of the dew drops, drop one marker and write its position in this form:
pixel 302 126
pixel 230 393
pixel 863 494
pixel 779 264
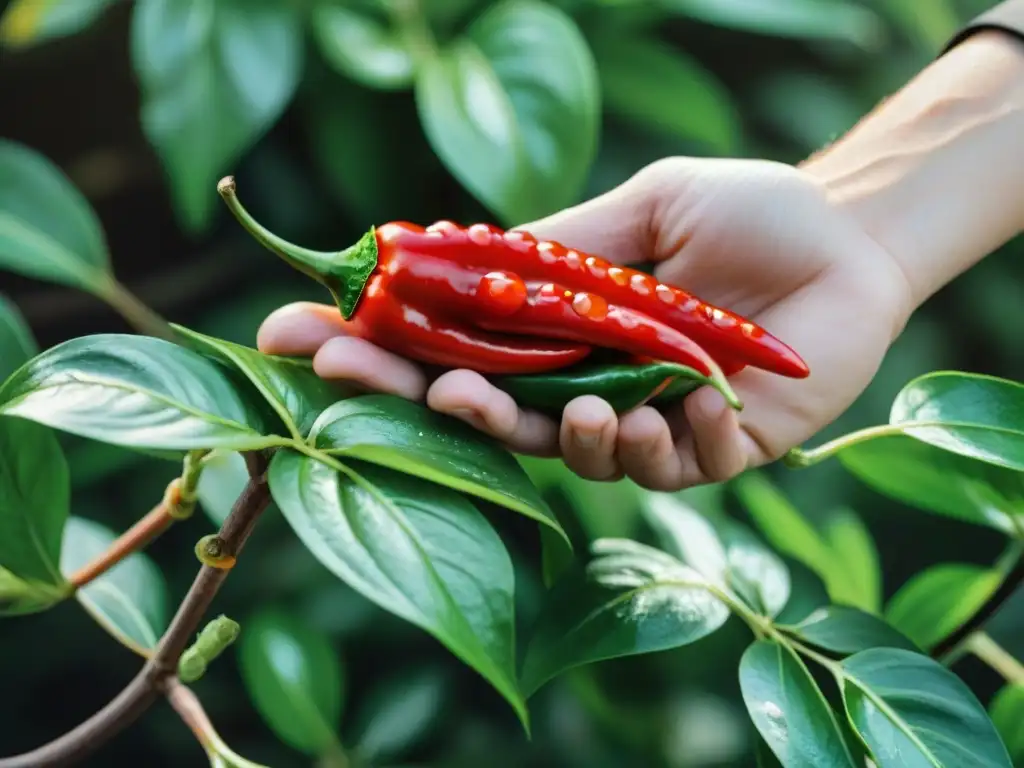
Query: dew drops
pixel 573 260
pixel 618 276
pixel 590 306
pixel 479 234
pixel 641 283
pixel 597 267
pixel 665 293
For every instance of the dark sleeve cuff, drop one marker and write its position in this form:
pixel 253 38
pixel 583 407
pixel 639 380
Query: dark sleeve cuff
pixel 1007 17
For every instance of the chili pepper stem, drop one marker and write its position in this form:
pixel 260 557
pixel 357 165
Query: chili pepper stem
pixel 343 273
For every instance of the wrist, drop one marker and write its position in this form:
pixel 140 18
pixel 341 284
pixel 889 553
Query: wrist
pixel 935 175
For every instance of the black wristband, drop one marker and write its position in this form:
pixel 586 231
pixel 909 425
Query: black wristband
pixel 1007 17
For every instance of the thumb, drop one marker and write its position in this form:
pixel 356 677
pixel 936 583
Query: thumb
pixel 619 225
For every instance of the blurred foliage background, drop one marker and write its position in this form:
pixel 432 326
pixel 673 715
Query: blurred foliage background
pixel 144 119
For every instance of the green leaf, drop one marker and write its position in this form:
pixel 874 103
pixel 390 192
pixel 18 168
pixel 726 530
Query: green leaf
pixel 397 715
pixel 361 46
pixel 418 550
pixel 48 230
pixel 513 109
pixel 659 87
pixel 134 391
pixel 858 580
pixel 807 593
pixel 936 601
pixel 17 344
pixel 288 384
pixel 842 553
pixel 410 438
pixel 130 600
pixel 214 78
pixel 935 480
pixel 912 711
pixel 789 710
pixel 631 599
pixel 1007 713
pixel 623 387
pixel 35 495
pixel 847 630
pixel 295 679
pixel 980 417
pixel 30 22
pixel 19 597
pixel 221 483
pixel 725 553
pixel 809 19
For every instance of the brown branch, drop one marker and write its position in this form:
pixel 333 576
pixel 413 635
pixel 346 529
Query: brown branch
pixel 152 680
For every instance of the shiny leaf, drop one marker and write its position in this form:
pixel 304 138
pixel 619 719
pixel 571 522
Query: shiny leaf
pixel 810 19
pixel 17 345
pixel 410 438
pixel 1007 712
pixel 221 483
pixel 513 109
pixel 133 391
pixel 936 480
pixel 294 678
pixel 48 230
pixel 789 710
pixel 130 600
pixel 361 46
pixel 214 78
pixel 631 599
pixel 936 601
pixel 912 711
pixel 847 630
pixel 288 384
pixel 726 554
pixel 658 87
pixel 418 550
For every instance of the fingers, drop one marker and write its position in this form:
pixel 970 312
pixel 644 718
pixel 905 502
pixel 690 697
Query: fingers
pixel 469 396
pixel 648 454
pixel 588 438
pixel 718 448
pixel 350 359
pixel 299 329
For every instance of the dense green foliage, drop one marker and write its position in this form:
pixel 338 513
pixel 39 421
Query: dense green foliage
pixel 410 598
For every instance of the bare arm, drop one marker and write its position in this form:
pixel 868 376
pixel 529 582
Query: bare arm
pixel 936 173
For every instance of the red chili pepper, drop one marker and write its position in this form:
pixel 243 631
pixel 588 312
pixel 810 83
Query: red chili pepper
pixel 500 302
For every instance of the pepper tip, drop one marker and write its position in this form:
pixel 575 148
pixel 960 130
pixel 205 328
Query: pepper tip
pixel 226 186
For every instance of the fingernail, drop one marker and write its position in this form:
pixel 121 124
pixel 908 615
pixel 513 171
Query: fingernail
pixel 586 439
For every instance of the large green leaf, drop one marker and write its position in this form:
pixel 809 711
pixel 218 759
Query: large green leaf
pixel 361 46
pixel 936 480
pixel 20 596
pixel 214 77
pixel 129 600
pixel 513 109
pixel 31 22
pixel 288 384
pixel 397 715
pixel 631 599
pixel 911 711
pixel 658 87
pixel 725 553
pixel 48 230
pixel 134 391
pixel 294 678
pixel 859 573
pixel 980 417
pixel 789 710
pixel 934 602
pixel 418 550
pixel 847 630
pixel 35 493
pixel 408 437
pixel 811 19
pixel 1007 712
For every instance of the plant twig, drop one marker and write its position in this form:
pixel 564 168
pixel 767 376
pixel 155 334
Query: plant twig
pixel 191 711
pixel 1013 580
pixel 997 657
pixel 153 679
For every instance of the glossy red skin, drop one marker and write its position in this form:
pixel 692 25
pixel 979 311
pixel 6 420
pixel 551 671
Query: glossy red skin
pixel 481 248
pixel 405 329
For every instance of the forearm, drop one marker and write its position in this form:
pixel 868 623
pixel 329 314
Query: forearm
pixel 936 173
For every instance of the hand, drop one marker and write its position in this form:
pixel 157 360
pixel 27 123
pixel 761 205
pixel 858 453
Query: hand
pixel 756 237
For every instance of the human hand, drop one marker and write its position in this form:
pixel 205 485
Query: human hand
pixel 756 237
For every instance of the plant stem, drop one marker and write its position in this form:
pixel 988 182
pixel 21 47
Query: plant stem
pixel 191 711
pixel 135 311
pixel 156 521
pixel 154 678
pixel 797 458
pixel 997 657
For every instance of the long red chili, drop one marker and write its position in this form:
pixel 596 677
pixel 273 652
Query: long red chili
pixel 501 302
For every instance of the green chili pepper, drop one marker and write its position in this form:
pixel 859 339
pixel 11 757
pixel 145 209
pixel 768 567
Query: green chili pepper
pixel 624 386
